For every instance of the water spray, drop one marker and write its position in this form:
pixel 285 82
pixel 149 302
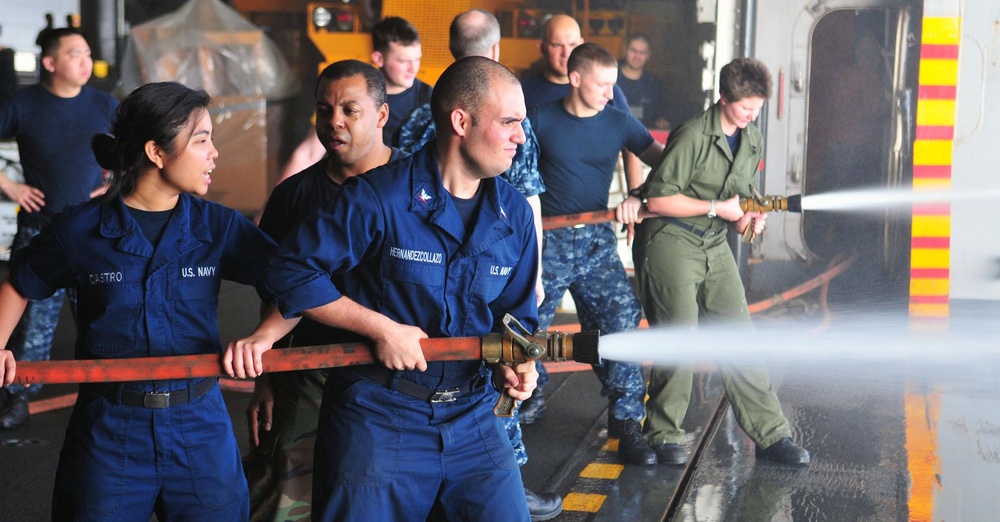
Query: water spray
pixel 854 340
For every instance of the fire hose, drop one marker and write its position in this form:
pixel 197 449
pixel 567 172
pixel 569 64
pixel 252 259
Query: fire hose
pixel 514 346
pixel 803 288
pixel 757 203
pixel 572 220
pixel 509 348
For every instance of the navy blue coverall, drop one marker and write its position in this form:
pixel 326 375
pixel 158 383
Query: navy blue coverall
pixel 119 460
pixel 398 246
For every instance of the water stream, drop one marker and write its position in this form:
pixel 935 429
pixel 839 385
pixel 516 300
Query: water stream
pixel 881 198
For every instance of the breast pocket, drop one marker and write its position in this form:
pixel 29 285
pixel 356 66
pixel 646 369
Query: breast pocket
pixel 194 305
pixel 109 317
pixel 489 280
pixel 415 289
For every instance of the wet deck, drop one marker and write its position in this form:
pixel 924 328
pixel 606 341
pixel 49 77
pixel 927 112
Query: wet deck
pixel 885 444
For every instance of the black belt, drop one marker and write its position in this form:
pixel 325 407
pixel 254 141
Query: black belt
pixel 693 229
pixel 386 377
pixel 110 391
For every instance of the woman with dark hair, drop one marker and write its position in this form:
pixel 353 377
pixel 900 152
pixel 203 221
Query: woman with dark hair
pixel 147 260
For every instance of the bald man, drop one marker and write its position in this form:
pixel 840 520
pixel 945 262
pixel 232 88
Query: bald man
pixel 477 33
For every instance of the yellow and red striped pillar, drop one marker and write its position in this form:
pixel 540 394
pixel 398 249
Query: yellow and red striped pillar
pixel 930 256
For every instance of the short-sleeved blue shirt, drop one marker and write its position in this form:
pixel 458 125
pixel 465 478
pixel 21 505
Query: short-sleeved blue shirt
pixel 578 155
pixel 53 139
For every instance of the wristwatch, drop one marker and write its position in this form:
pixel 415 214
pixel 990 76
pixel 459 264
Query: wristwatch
pixel 711 210
pixel 637 193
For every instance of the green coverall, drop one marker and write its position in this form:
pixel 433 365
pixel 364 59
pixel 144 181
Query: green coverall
pixel 687 275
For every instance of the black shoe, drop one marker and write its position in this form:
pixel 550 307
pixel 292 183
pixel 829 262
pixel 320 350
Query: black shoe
pixel 543 507
pixel 15 411
pixel 532 409
pixel 632 447
pixel 614 426
pixel 670 454
pixel 784 452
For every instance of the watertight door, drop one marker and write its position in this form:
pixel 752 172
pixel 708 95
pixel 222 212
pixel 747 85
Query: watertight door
pixel 857 128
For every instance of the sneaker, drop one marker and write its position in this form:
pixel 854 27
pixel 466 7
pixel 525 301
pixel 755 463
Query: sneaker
pixel 784 452
pixel 632 447
pixel 543 507
pixel 533 409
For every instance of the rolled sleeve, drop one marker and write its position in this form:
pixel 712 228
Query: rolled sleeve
pixel 332 242
pixel 295 300
pixel 42 267
pixel 28 283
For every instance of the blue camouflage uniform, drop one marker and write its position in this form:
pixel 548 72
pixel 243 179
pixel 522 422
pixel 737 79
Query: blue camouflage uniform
pixel 539 90
pixel 523 175
pixel 577 162
pixel 121 459
pixel 398 246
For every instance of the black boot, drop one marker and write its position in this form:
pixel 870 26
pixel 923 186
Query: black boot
pixel 614 426
pixel 15 411
pixel 632 447
pixel 670 454
pixel 784 452
pixel 532 409
pixel 543 507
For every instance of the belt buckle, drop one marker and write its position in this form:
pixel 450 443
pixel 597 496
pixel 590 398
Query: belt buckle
pixel 449 395
pixel 156 400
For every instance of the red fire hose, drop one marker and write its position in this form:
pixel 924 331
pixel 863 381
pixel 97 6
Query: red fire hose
pixel 809 285
pixel 345 354
pixel 208 365
pixel 585 218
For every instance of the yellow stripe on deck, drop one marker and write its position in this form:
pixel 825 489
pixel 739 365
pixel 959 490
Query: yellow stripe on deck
pixel 597 470
pixel 586 502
